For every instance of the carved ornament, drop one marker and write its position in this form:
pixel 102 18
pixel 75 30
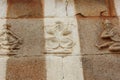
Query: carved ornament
pixel 59 40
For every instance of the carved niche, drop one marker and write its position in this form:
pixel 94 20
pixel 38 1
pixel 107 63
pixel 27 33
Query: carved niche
pixel 59 38
pixel 9 41
pixel 111 35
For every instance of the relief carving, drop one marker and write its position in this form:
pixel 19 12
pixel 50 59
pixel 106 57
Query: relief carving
pixel 111 34
pixel 9 41
pixel 59 39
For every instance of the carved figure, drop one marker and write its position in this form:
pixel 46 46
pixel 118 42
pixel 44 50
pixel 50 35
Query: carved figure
pixel 59 37
pixel 9 40
pixel 111 33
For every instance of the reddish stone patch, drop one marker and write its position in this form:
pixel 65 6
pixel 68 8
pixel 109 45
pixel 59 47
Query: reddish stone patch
pixel 25 8
pixel 26 68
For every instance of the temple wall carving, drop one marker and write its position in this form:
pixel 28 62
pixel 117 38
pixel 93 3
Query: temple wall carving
pixel 59 40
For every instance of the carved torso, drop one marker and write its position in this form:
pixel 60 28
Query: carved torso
pixel 111 33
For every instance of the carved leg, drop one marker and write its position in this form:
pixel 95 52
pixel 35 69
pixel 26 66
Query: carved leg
pixel 104 45
pixel 115 47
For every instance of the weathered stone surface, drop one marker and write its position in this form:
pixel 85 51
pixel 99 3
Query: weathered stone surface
pixel 35 68
pixel 101 67
pixel 71 8
pixel 90 30
pixel 3 67
pixel 25 8
pixel 26 68
pixel 59 8
pixel 54 68
pixel 72 68
pixel 31 32
pixel 117 7
pixel 91 8
pixel 49 7
pixel 61 36
pixel 3 8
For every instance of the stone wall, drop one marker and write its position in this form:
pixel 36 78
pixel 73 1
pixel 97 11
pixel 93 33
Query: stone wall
pixel 100 58
pixel 58 40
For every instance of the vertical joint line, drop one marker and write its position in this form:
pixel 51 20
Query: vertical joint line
pixel 66 7
pixel 62 69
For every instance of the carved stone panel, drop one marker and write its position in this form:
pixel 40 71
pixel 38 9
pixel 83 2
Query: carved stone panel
pixel 111 34
pixel 60 35
pixel 98 36
pixel 31 32
pixel 9 41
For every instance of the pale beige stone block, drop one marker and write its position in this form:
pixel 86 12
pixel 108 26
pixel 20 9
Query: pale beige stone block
pixel 71 8
pixel 2 22
pixel 3 8
pixel 91 7
pixel 3 67
pixel 54 68
pixel 72 68
pixel 49 8
pixel 55 8
pixel 117 6
pixel 59 8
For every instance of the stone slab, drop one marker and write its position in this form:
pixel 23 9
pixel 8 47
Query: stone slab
pixel 72 68
pixel 90 30
pixel 101 67
pixel 54 68
pixel 25 8
pixel 59 8
pixel 26 68
pixel 3 8
pixel 117 7
pixel 71 10
pixel 31 32
pixel 91 8
pixel 3 67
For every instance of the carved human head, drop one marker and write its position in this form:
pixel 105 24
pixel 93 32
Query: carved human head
pixel 107 24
